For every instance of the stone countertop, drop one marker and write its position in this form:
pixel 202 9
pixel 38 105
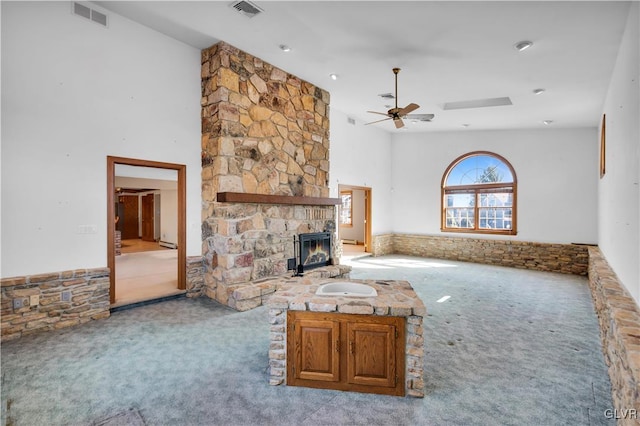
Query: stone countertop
pixel 395 298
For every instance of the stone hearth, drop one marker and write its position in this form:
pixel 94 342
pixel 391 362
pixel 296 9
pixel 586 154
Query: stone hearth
pixel 264 131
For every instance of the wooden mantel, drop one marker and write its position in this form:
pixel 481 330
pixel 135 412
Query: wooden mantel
pixel 241 197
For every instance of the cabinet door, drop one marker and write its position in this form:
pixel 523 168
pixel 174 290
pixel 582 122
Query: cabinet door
pixel 316 344
pixel 372 354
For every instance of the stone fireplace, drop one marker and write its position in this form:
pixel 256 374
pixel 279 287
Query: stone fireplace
pixel 265 170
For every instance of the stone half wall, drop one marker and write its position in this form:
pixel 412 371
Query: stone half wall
pixel 43 302
pixel 266 132
pixel 619 318
pixel 563 258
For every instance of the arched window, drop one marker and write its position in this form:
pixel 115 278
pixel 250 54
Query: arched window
pixel 479 195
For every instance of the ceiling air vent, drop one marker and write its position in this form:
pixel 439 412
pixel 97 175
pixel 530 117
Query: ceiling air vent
pixel 246 8
pixel 387 95
pixel 478 103
pixel 88 13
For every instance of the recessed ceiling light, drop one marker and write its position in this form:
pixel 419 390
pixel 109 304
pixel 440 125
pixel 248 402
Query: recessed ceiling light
pixel 538 91
pixel 522 45
pixel 547 122
pixel 285 48
pixel 333 76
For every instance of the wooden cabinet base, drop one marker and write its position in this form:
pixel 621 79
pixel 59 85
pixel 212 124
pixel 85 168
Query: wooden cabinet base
pixel 361 353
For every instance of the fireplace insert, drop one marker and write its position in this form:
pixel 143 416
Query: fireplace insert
pixel 314 250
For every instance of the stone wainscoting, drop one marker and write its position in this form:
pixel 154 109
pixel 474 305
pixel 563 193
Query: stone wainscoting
pixel 619 318
pixel 382 244
pixel 36 303
pixel 563 258
pixel 44 302
pixel 195 276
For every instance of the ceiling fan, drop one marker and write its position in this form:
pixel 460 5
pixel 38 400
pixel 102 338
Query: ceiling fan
pixel 397 114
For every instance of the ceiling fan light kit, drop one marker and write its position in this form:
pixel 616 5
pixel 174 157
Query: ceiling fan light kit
pixel 397 114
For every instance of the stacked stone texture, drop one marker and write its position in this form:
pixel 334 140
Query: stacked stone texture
pixel 64 299
pixel 195 276
pixel 563 258
pixel 264 131
pixel 619 318
pixel 382 245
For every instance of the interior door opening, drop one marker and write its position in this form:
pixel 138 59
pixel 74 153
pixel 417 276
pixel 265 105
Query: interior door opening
pixel 355 219
pixel 146 230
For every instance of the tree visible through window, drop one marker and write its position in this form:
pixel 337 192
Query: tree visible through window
pixel 346 210
pixel 479 195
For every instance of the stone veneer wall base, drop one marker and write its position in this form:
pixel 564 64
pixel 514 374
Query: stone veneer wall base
pixel 619 318
pixel 44 302
pixel 563 258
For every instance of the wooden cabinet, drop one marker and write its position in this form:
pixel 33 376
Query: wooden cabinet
pixel 363 353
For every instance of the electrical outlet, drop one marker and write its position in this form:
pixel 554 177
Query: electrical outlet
pixel 66 296
pixel 17 303
pixel 34 300
pixel 87 229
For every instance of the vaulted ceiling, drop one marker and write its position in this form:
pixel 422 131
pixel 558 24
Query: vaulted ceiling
pixel 449 51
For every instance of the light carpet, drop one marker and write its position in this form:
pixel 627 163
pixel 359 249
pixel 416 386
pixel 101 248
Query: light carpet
pixel 506 347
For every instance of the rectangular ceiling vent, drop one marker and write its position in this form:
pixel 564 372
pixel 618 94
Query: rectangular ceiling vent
pixel 90 14
pixel 246 8
pixel 387 95
pixel 478 103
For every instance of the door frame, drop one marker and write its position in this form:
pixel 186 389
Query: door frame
pixel 367 213
pixel 111 217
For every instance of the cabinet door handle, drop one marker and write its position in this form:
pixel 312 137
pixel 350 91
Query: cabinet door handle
pixel 352 347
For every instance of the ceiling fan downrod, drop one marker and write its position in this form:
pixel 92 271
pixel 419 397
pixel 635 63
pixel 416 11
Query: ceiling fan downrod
pixel 396 71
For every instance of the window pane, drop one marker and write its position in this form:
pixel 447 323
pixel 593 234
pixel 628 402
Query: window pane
pixel 501 199
pixel 460 200
pixel 495 218
pixel 345 211
pixel 460 218
pixel 478 169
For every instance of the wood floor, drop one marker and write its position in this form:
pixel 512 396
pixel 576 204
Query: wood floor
pixel 145 271
pixel 137 245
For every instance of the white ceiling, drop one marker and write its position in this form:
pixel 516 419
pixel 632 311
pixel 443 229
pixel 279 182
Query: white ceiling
pixel 448 51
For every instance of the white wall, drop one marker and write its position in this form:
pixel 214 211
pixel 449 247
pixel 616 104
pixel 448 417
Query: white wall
pixel 619 190
pixel 360 156
pixel 74 92
pixel 556 170
pixel 169 216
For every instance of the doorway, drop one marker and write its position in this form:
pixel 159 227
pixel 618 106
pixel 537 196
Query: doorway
pixel 146 250
pixel 354 224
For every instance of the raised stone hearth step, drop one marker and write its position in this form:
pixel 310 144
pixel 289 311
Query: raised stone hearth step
pixel 245 296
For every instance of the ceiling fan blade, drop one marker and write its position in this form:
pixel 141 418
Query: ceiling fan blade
pixel 398 122
pixel 373 122
pixel 376 112
pixel 409 108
